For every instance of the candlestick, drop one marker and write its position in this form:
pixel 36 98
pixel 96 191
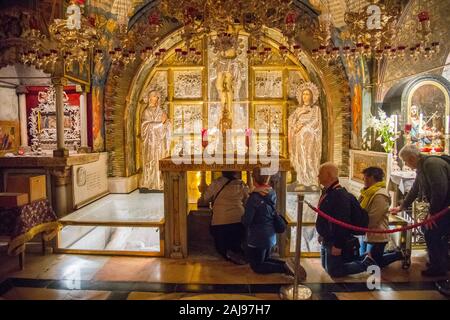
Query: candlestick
pixel 447 124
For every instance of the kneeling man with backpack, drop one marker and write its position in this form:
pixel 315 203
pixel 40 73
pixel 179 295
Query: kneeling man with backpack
pixel 339 245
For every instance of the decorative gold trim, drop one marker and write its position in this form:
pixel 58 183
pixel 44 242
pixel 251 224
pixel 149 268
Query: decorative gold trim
pixel 113 253
pixel 89 200
pixel 160 253
pixel 432 83
pixel 17 245
pixel 111 223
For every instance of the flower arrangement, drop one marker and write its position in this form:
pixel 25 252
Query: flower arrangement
pixel 384 127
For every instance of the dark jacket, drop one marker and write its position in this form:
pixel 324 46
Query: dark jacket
pixel 335 203
pixel 258 218
pixel 432 183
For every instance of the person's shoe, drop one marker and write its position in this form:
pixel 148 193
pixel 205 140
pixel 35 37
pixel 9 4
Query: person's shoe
pixel 235 258
pixel 430 272
pixel 368 261
pixel 443 287
pixel 406 257
pixel 290 267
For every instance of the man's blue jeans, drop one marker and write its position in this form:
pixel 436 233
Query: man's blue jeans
pixel 335 266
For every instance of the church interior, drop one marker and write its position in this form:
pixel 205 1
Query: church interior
pixel 120 114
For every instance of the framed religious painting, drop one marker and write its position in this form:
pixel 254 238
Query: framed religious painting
pixel 9 137
pixel 359 160
pixel 268 117
pixel 187 118
pixel 427 117
pixel 188 84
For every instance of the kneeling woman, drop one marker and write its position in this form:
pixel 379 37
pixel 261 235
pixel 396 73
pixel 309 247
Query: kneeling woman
pixel 259 221
pixel 376 200
pixel 227 194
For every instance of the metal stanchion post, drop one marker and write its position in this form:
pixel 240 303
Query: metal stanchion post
pixel 297 291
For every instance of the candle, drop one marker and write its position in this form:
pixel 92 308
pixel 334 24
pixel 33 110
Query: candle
pixel 408 128
pixel 204 138
pixel 395 123
pixel 248 134
pixel 421 123
pixel 447 124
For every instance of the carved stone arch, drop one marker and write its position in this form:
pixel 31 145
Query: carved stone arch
pixel 124 87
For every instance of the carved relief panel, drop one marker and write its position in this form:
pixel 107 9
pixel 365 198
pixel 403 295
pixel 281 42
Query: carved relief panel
pixel 269 118
pixel 187 119
pixel 269 84
pixel 188 84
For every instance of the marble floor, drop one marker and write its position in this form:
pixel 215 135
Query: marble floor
pixel 62 276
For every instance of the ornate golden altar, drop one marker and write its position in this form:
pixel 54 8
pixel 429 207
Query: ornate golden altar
pixel 176 194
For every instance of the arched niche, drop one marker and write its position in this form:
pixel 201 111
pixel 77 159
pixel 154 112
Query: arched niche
pixel 146 72
pixel 425 107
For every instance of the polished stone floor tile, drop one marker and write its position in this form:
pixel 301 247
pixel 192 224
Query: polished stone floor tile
pixel 410 295
pixel 324 296
pixel 123 269
pixel 50 294
pixel 265 288
pixel 391 295
pixel 156 295
pixel 220 272
pixel 77 267
pixel 267 296
pixel 355 295
pixel 118 295
pixel 216 288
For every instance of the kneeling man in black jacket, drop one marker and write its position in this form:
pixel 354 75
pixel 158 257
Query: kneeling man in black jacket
pixel 335 202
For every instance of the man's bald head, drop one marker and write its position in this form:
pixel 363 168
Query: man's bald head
pixel 328 174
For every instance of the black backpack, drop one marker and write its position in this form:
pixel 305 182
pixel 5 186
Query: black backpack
pixel 358 216
pixel 445 157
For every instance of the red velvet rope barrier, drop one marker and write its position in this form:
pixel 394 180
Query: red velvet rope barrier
pixel 356 228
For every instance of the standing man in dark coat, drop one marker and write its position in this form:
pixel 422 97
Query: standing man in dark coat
pixel 433 185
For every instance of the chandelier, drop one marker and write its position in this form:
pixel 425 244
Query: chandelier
pixel 191 55
pixel 70 42
pixel 224 20
pixel 372 32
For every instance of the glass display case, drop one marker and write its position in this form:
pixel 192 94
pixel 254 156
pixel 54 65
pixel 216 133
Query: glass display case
pixel 310 246
pixel 130 224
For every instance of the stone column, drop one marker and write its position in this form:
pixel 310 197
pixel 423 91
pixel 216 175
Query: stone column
pixel 60 151
pixel 21 94
pixel 83 118
pixel 62 201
